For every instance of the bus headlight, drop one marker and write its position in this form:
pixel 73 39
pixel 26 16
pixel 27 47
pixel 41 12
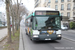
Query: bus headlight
pixel 58 35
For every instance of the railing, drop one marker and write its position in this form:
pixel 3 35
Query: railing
pixel 65 18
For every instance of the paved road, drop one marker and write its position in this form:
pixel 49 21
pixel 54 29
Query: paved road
pixel 70 34
pixel 46 45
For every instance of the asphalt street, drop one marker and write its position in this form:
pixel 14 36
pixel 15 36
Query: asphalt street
pixel 70 34
pixel 62 44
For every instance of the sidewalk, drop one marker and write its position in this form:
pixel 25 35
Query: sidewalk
pixel 3 33
pixel 21 41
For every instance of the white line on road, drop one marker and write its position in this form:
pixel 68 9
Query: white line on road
pixel 68 39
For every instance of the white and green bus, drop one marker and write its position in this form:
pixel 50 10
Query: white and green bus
pixel 43 24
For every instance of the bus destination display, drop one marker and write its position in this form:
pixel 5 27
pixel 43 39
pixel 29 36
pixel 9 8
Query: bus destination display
pixel 47 13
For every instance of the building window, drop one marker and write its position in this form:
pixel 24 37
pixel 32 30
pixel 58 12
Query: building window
pixel 37 1
pixel 62 0
pixel 56 7
pixel 68 6
pixel 73 14
pixel 68 0
pixel 62 14
pixel 62 6
pixel 49 6
pixel 36 5
pixel 68 14
pixel 49 1
pixel 74 6
pixel 56 1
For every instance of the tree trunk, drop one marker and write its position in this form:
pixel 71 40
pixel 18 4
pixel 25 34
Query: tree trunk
pixel 13 24
pixel 12 13
pixel 17 15
pixel 8 21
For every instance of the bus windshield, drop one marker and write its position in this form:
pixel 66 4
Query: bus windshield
pixel 46 22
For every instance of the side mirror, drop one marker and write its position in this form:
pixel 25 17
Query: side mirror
pixel 31 19
pixel 61 17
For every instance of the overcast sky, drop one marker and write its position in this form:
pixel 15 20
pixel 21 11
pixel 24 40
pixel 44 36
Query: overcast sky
pixel 28 3
pixel 2 7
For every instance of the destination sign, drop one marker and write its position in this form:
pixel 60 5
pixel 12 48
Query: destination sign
pixel 47 13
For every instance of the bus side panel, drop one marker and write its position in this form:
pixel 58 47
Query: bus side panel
pixel 28 25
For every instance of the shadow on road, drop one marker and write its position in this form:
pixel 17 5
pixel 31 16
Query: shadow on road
pixel 43 42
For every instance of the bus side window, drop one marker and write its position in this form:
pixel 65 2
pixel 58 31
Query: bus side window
pixel 29 22
pixel 26 23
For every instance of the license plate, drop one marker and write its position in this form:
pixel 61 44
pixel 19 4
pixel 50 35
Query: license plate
pixel 48 39
pixel 48 35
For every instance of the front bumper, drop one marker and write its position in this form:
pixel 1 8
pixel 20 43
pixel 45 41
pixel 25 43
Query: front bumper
pixel 48 37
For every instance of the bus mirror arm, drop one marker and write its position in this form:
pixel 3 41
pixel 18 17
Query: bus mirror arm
pixel 61 17
pixel 31 19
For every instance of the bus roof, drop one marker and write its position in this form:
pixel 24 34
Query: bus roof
pixel 40 9
pixel 43 9
pixel 29 16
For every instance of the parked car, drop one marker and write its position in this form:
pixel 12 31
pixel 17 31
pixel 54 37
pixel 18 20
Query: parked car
pixel 1 25
pixel 5 24
pixel 63 27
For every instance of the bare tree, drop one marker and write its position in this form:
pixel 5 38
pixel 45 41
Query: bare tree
pixel 12 13
pixel 16 11
pixel 21 11
pixel 8 20
pixel 15 15
pixel 7 2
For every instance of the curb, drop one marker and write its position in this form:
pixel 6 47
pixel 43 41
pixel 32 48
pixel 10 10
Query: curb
pixel 68 39
pixel 3 38
pixel 21 42
pixel 3 27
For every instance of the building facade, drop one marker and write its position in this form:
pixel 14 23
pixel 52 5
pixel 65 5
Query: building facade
pixel 39 3
pixel 66 8
pixel 2 18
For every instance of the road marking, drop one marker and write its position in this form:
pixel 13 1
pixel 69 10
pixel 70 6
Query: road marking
pixel 23 41
pixel 68 39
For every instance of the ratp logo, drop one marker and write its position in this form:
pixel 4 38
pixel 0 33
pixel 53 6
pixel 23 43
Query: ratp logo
pixel 50 31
